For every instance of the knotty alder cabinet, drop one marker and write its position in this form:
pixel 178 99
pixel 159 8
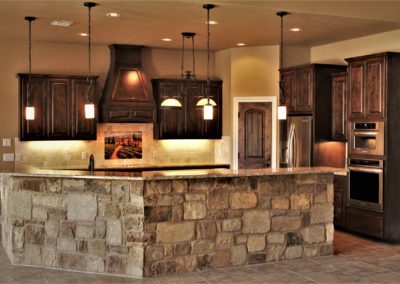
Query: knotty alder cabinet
pixel 59 108
pixel 186 122
pixel 367 86
pixel 340 195
pixel 339 113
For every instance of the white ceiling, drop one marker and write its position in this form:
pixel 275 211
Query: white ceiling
pixel 145 22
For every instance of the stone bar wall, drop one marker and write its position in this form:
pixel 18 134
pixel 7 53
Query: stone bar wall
pixel 207 223
pixel 90 225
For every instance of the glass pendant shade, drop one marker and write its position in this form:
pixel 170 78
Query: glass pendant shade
pixel 208 111
pixel 281 112
pixel 30 113
pixel 89 111
pixel 170 102
pixel 204 101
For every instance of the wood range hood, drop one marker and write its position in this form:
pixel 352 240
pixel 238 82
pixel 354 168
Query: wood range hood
pixel 126 96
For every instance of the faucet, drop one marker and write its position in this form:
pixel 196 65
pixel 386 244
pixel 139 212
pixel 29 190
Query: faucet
pixel 91 163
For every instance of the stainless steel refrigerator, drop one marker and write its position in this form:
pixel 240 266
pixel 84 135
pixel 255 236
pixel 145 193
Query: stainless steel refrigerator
pixel 296 141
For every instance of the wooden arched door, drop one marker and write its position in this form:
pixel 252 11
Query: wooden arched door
pixel 254 135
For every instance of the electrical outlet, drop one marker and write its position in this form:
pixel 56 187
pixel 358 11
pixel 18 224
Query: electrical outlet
pixel 84 156
pixel 6 142
pixel 8 157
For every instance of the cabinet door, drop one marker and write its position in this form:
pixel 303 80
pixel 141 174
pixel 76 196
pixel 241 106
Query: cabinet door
pixel 375 88
pixel 170 124
pixel 59 102
pixel 339 115
pixel 193 115
pixel 339 202
pixel 83 128
pixel 288 84
pixel 356 90
pixel 33 129
pixel 304 91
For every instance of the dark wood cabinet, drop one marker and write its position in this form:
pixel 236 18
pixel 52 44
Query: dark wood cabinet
pixel 366 85
pixel 339 203
pixel 59 108
pixel 339 103
pixel 186 122
pixel 306 86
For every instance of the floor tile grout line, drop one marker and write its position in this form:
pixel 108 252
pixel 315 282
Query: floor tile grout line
pixel 198 273
pixel 293 272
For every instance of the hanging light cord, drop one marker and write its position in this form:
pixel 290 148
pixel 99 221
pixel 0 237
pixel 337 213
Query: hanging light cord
pixel 183 49
pixel 30 19
pixel 194 62
pixel 281 91
pixel 89 78
pixel 208 52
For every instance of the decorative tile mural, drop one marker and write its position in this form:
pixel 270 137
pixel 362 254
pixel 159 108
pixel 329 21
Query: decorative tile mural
pixel 123 146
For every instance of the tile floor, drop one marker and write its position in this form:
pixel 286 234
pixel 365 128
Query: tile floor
pixel 356 260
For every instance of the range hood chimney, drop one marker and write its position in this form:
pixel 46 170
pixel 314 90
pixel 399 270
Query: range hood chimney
pixel 126 97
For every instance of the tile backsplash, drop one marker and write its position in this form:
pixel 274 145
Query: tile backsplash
pixel 75 154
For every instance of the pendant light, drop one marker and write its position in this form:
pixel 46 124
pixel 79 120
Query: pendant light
pixel 282 107
pixel 208 103
pixel 188 74
pixel 89 106
pixel 29 110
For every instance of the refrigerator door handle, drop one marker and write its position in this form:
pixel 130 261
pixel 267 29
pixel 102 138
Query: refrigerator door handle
pixel 290 146
pixel 294 147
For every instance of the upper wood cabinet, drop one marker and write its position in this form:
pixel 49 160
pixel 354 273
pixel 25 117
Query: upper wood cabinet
pixel 339 113
pixel 186 122
pixel 367 86
pixel 303 85
pixel 59 108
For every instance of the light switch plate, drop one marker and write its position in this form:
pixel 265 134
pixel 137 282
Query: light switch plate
pixel 6 142
pixel 84 156
pixel 8 157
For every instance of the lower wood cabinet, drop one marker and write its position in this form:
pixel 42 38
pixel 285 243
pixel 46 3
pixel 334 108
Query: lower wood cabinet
pixel 59 108
pixel 340 193
pixel 186 122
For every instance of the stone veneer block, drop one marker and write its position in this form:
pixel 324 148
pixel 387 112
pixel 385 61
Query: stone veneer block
pixel 114 232
pixel 68 245
pixel 73 185
pixel 120 192
pixel 84 231
pixel 314 234
pixel 286 223
pixel 256 243
pixel 330 230
pixel 243 200
pixel 81 207
pixel 321 213
pixel 187 263
pixel 39 213
pixel 280 203
pixel 49 256
pixel 48 200
pixel 194 210
pixel 97 247
pixel 231 225
pixel 94 264
pixel 21 204
pixel 238 255
pixel 256 221
pixel 175 232
pixel 299 202
pixel 294 252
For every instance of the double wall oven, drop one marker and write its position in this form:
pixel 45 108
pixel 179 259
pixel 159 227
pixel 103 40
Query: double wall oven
pixel 365 164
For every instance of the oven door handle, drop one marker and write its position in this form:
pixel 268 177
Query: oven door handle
pixel 366 170
pixel 365 133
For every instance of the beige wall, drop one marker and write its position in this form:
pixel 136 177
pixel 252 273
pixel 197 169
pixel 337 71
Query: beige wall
pixel 55 58
pixel 336 52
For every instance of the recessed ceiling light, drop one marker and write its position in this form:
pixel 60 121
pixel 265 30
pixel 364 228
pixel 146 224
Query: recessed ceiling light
pixel 212 22
pixel 83 34
pixel 166 39
pixel 61 23
pixel 295 29
pixel 240 44
pixel 113 14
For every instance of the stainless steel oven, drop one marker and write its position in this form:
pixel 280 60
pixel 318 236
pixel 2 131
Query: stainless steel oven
pixel 367 138
pixel 366 184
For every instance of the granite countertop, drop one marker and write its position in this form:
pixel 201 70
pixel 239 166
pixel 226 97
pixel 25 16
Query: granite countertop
pixel 171 174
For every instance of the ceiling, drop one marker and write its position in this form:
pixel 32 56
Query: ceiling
pixel 253 22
